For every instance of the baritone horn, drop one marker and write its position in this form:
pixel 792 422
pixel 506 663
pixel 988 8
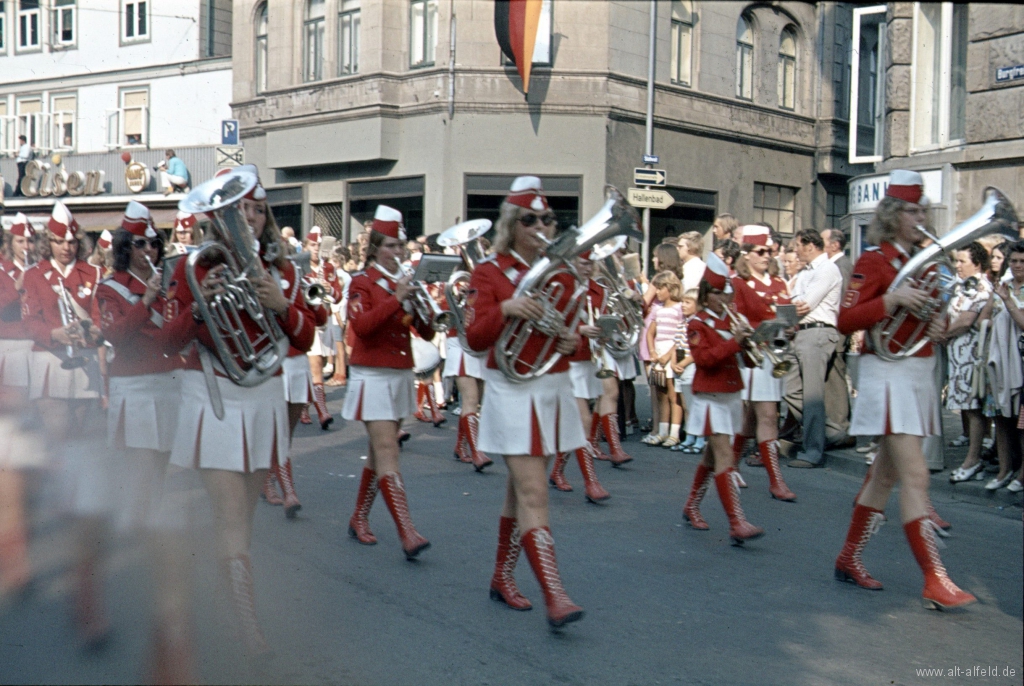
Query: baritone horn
pixel 619 301
pixel 758 351
pixel 931 270
pixel 466 237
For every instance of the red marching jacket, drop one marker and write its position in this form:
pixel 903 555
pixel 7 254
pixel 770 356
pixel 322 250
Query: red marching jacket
pixel 716 354
pixel 494 281
pixel 862 305
pixel 132 327
pixel 379 322
pixel 757 300
pixel 596 295
pixel 180 328
pixel 40 306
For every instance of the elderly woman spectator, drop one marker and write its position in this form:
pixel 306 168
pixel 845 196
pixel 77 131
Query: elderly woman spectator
pixel 791 264
pixel 965 310
pixel 1006 370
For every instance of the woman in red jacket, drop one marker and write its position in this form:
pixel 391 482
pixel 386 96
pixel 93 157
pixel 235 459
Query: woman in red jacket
pixel 716 347
pixel 895 400
pixel 234 452
pixel 527 422
pixel 380 383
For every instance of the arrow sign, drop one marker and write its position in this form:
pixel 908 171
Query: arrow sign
pixel 649 177
pixel 658 200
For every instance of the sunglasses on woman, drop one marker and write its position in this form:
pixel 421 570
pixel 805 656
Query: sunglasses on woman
pixel 531 219
pixel 140 243
pixel 761 251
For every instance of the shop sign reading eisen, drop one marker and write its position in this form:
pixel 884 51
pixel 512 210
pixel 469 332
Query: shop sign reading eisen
pixel 43 179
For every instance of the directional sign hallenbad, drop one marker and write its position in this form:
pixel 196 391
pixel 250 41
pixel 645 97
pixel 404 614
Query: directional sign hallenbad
pixel 649 177
pixel 659 200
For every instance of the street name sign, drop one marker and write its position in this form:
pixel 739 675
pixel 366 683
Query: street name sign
pixel 651 159
pixel 659 200
pixel 649 177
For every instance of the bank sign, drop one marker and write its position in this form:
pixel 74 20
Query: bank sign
pixel 867 191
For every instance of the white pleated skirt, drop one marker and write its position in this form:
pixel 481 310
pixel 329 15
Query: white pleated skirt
pixel 254 430
pixel 49 380
pixel 625 367
pixel 759 385
pixel 143 411
pixel 458 362
pixel 715 413
pixel 585 383
pixel 377 394
pixel 20 446
pixel 15 362
pixel 318 349
pixel 896 398
pixel 297 380
pixel 537 418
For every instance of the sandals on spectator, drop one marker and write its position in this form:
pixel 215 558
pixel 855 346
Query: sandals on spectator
pixel 652 439
pixel 961 474
pixel 670 442
pixel 959 442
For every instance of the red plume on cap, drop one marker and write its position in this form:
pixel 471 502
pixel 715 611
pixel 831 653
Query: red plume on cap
pixel 905 185
pixel 527 192
pixel 105 239
pixel 137 220
pixel 716 273
pixel 388 221
pixel 62 223
pixel 22 226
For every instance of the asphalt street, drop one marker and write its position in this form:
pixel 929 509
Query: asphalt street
pixel 665 604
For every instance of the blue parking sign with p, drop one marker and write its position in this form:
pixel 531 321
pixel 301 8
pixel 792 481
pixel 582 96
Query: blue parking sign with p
pixel 229 132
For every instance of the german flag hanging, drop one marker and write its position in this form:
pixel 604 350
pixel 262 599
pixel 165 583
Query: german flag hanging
pixel 515 25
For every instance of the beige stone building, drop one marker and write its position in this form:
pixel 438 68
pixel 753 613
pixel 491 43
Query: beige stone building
pixel 347 103
pixel 951 104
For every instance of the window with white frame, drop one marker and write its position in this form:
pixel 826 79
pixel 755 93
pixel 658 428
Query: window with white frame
pixel 30 120
pixel 135 20
pixel 744 59
pixel 682 41
pixel 262 24
pixel 8 126
pixel 62 23
pixel 787 68
pixel 776 205
pixel 3 26
pixel 128 125
pixel 63 109
pixel 348 37
pixel 939 85
pixel 542 56
pixel 28 24
pixel 313 41
pixel 867 89
pixel 423 32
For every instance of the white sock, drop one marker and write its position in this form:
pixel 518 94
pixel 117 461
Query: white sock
pixel 663 429
pixel 673 430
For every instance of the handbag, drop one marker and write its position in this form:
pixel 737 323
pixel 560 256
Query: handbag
pixel 657 376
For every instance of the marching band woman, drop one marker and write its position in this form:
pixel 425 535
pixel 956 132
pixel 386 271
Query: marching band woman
pixel 58 312
pixel 233 453
pixel 380 383
pixel 762 392
pixel 896 400
pixel 186 233
pixel 323 273
pixel 530 421
pixel 586 386
pixel 717 412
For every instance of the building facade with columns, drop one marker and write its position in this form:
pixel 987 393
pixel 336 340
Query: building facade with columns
pixel 950 104
pixel 347 103
pixel 89 82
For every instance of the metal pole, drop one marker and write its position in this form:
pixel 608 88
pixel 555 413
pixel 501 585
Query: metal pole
pixel 649 139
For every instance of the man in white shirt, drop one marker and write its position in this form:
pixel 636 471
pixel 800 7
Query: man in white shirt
pixel 24 156
pixel 817 292
pixel 835 248
pixel 691 246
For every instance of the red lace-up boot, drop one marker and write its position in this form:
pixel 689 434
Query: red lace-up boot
pixel 610 427
pixel 691 510
pixel 770 461
pixel 941 525
pixel 304 418
pixel 359 524
pixel 478 459
pixel 503 583
pixel 740 529
pixel 238 571
pixel 269 491
pixel 940 593
pixel 557 477
pixel 595 437
pixel 422 391
pixel 462 441
pixel 591 486
pixel 291 499
pixel 540 551
pixel 320 403
pixel 435 414
pixel 393 490
pixel 864 523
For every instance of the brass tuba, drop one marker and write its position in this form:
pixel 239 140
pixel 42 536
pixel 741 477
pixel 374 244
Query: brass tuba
pixel 932 271
pixel 617 302
pixel 247 360
pixel 466 237
pixel 542 283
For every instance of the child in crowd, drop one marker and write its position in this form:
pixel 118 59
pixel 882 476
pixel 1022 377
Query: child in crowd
pixel 661 340
pixel 684 369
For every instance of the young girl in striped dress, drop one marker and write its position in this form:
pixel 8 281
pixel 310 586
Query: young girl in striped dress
pixel 684 369
pixel 661 340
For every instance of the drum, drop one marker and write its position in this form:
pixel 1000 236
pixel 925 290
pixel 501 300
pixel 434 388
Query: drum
pixel 425 358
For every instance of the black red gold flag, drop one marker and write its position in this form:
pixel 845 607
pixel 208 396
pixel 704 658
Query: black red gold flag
pixel 515 25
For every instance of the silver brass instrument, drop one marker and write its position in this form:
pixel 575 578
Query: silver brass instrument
pixel 248 361
pixel 426 308
pixel 76 357
pixel 596 349
pixel 931 270
pixel 617 300
pixel 466 237
pixel 313 291
pixel 758 351
pixel 542 284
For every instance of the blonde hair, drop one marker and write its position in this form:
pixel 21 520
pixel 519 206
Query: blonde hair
pixel 505 228
pixel 694 243
pixel 691 294
pixel 886 220
pixel 670 281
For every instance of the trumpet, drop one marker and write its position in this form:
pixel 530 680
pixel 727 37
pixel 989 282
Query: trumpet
pixel 426 308
pixel 75 358
pixel 759 351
